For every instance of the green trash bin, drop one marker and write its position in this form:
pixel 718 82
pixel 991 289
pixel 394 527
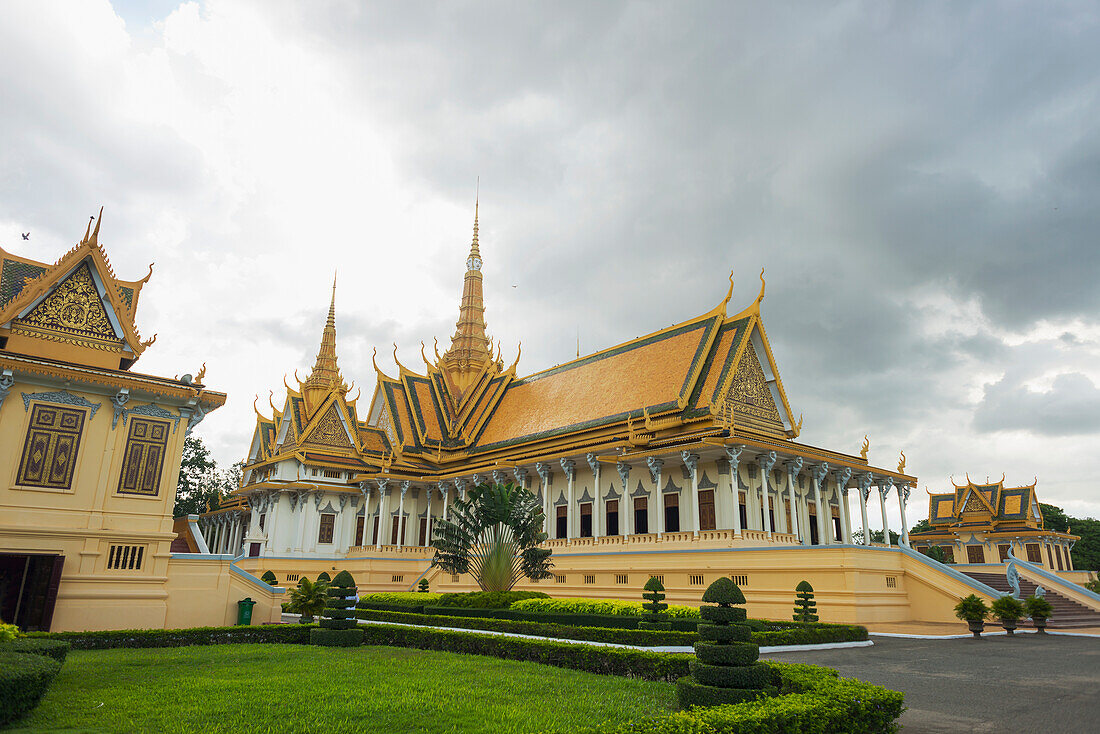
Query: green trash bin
pixel 244 610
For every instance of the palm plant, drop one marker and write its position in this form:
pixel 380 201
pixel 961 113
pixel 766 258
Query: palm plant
pixel 493 534
pixel 308 599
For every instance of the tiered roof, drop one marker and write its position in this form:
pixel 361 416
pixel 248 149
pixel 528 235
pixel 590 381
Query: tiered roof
pixel 974 505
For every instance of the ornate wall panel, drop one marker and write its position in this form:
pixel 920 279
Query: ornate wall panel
pixel 143 461
pixel 74 311
pixel 49 451
pixel 750 392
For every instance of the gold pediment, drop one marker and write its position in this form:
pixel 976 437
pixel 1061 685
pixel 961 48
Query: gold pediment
pixel 330 430
pixel 74 312
pixel 750 393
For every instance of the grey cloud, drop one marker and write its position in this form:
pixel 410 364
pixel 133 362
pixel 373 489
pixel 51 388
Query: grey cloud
pixel 1070 407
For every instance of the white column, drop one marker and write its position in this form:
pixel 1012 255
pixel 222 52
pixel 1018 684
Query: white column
pixel 842 476
pixel 545 474
pixel 766 461
pixel 864 493
pixel 816 477
pixel 570 469
pixel 691 461
pixel 794 466
pixel 655 466
pixel 903 497
pixel 401 514
pixel 733 454
pixel 598 529
pixel 446 496
pixel 428 515
pixel 626 512
pixel 382 529
pixel 884 487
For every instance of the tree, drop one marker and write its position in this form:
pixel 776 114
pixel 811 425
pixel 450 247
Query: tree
pixel 308 599
pixel 1086 552
pixel 876 537
pixel 1054 518
pixel 198 480
pixel 921 527
pixel 936 553
pixel 493 534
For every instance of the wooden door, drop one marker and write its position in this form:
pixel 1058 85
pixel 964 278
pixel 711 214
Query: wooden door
pixel 707 519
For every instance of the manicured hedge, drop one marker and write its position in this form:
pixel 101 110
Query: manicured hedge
pixel 487 599
pixel 814 700
pixel 401 598
pixel 598 606
pixel 604 660
pixel 56 649
pixel 24 679
pixel 644 638
pixel 277 633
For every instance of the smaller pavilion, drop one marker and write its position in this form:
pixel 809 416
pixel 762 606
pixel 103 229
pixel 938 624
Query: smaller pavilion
pixel 981 523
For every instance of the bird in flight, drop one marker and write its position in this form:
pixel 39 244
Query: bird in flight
pixel 26 235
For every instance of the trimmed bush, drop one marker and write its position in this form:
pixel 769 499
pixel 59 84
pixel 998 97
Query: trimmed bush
pixel 8 632
pixel 603 660
pixel 734 653
pixel 598 607
pixel 323 576
pixel 109 639
pixel 24 679
pixel 400 598
pixel 653 616
pixel 644 638
pixel 488 599
pixel 422 587
pixel 815 700
pixel 805 608
pixel 338 625
pixel 756 675
pixel 269 578
pixel 719 677
pixel 719 615
pixel 56 649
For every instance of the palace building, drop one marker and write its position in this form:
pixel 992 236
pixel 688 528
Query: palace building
pixel 675 454
pixel 90 453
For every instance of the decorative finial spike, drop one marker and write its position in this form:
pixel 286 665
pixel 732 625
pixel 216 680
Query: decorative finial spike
pixel 95 232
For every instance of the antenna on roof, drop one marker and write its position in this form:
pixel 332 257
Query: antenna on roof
pixel 578 342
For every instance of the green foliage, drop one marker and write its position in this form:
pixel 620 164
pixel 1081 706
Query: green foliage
pixel 1054 518
pixel 423 586
pixel 56 649
pixel 1093 586
pixel 24 679
pixel 336 637
pixel 339 627
pixel 725 632
pixel 494 534
pixel 1086 551
pixel 643 638
pixel 922 526
pixel 598 606
pixel 269 578
pixel 107 639
pixel 875 536
pixel 936 553
pixel 756 675
pixel 815 701
pixel 1037 606
pixel 488 599
pixel 400 598
pixel 691 693
pixel 308 599
pixel 971 609
pixel 723 592
pixel 323 576
pixel 805 608
pixel 654 607
pixel 1007 609
pixel 8 632
pixel 723 615
pixel 727 653
pixel 602 660
pixel 201 485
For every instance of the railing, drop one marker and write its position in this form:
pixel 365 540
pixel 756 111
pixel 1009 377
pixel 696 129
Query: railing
pixel 1053 580
pixel 957 575
pixel 705 536
pixel 405 550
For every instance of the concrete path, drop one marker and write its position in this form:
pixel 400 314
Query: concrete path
pixel 1018 684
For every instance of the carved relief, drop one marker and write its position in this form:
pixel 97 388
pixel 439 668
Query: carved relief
pixel 146 446
pixel 387 426
pixel 330 431
pixel 750 392
pixel 75 309
pixel 49 451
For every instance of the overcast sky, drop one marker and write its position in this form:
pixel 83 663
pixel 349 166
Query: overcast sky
pixel 920 181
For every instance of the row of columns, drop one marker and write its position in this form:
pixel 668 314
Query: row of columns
pixel 224 533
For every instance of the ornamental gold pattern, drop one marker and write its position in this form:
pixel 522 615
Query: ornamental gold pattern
pixel 330 430
pixel 750 392
pixel 76 310
pixel 146 446
pixel 49 451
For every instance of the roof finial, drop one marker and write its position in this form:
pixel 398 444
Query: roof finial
pixel 474 251
pixel 95 232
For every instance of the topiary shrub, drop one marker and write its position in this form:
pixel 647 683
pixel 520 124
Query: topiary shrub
pixel 654 617
pixel 726 668
pixel 423 586
pixel 324 577
pixel 56 649
pixel 339 627
pixel 269 578
pixel 23 681
pixel 805 608
pixel 487 599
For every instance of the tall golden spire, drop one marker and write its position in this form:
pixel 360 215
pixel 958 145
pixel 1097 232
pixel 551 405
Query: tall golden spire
pixel 326 373
pixel 469 350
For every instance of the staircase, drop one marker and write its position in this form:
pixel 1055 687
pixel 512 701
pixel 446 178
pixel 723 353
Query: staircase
pixel 1067 613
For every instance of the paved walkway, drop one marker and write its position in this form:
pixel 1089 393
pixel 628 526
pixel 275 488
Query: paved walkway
pixel 1019 684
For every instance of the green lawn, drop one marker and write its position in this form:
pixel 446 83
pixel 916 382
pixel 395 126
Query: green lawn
pixel 295 688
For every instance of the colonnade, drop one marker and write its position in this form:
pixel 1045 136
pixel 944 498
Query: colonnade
pixel 224 533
